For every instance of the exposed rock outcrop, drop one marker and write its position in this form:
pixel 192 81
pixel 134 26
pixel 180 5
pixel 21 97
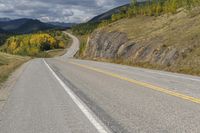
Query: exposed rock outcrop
pixel 115 45
pixel 165 42
pixel 107 45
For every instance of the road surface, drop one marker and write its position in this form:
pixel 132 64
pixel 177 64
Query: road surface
pixel 66 95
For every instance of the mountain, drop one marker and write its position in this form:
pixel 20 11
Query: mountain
pixel 166 42
pixel 4 19
pixel 12 24
pixel 62 25
pixel 108 14
pixel 32 26
pixel 2 31
pixel 3 36
pixel 24 25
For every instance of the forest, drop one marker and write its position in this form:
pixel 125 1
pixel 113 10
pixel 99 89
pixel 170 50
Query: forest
pixel 154 8
pixel 35 44
pixel 3 38
pixel 84 28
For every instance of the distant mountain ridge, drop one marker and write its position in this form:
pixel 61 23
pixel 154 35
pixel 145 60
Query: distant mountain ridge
pixel 12 24
pixel 1 30
pixel 4 19
pixel 32 26
pixel 107 15
pixel 26 25
pixel 62 24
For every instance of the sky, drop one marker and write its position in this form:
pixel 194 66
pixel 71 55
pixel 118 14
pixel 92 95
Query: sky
pixel 68 11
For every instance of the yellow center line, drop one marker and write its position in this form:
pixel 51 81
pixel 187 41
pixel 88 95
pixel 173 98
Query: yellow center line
pixel 150 86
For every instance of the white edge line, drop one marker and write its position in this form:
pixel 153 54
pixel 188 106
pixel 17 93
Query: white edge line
pixel 78 102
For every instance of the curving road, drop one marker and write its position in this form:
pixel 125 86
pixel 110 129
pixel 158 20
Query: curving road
pixel 66 95
pixel 74 47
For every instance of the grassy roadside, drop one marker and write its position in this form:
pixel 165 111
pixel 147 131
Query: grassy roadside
pixel 155 39
pixel 8 63
pixel 191 69
pixel 195 71
pixel 55 53
pixel 83 44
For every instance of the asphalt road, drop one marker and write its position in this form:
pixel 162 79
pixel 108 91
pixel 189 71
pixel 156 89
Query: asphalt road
pixel 62 95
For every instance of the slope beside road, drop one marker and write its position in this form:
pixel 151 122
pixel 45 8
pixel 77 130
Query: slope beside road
pixel 69 95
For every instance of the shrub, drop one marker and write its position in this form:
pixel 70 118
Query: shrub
pixel 31 44
pixel 84 28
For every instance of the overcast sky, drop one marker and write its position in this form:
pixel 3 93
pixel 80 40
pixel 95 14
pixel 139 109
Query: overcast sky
pixel 57 10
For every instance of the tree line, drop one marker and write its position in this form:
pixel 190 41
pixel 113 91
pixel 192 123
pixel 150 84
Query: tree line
pixel 154 8
pixel 35 44
pixel 145 8
pixel 84 28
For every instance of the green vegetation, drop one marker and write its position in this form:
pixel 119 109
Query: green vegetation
pixel 85 28
pixel 3 38
pixel 147 8
pixel 154 8
pixel 61 38
pixel 166 42
pixel 36 44
pixel 42 44
pixel 30 45
pixel 8 63
pixel 161 26
pixel 55 53
pixel 83 43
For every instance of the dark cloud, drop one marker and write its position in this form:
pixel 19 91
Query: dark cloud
pixel 57 10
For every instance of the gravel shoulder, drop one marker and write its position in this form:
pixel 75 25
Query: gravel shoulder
pixel 6 88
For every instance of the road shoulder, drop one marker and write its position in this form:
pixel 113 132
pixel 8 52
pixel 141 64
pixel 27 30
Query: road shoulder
pixel 6 88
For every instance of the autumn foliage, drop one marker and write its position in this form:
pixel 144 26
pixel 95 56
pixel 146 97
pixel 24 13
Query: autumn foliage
pixel 32 44
pixel 154 8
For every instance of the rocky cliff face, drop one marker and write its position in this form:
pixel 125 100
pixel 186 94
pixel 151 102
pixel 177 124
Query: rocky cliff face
pixel 116 45
pixel 166 42
pixel 106 45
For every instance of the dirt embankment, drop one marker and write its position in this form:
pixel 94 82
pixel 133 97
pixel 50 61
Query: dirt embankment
pixel 9 63
pixel 168 42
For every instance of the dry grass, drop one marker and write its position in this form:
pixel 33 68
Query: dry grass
pixel 8 63
pixel 56 53
pixel 172 29
pixel 180 31
pixel 83 44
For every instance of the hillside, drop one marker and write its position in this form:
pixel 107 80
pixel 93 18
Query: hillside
pixel 3 37
pixel 62 25
pixel 167 42
pixel 8 63
pixel 35 44
pixel 107 15
pixel 24 25
pixel 2 31
pixel 32 26
pixel 4 19
pixel 12 24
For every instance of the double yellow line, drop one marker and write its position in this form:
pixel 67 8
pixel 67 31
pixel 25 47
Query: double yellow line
pixel 147 85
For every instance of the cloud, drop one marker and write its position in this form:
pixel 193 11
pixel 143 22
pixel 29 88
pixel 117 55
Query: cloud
pixel 57 10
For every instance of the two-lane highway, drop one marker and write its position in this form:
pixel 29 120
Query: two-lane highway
pixel 68 95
